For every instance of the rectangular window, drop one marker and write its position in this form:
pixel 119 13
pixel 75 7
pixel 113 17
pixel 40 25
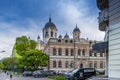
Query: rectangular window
pixel 72 52
pixel 60 64
pixel 66 64
pixel 95 54
pixel 101 54
pixel 54 64
pixel 66 52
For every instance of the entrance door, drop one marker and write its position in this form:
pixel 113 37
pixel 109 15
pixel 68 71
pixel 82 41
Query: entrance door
pixel 81 65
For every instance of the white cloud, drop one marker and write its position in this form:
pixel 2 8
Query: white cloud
pixel 9 32
pixel 77 12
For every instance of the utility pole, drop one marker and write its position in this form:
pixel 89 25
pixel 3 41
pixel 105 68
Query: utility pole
pixel 74 53
pixel 48 56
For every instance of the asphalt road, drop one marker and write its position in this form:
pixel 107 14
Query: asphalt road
pixel 4 76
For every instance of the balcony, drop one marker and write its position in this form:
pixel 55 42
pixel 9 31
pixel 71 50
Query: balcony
pixel 103 19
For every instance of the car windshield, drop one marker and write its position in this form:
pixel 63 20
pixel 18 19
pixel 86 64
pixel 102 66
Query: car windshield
pixel 74 71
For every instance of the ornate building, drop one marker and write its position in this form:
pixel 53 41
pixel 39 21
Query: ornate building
pixel 67 53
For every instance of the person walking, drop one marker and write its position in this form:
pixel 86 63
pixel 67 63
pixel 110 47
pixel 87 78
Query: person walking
pixel 11 74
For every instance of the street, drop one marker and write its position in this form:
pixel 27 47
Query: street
pixel 4 76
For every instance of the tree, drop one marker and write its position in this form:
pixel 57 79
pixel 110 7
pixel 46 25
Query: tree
pixel 34 59
pixel 2 66
pixel 8 62
pixel 30 58
pixel 24 44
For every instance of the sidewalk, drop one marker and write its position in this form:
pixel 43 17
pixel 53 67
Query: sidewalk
pixel 4 76
pixel 101 78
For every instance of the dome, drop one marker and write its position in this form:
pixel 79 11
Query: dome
pixel 66 36
pixel 38 37
pixel 60 36
pixel 76 29
pixel 50 24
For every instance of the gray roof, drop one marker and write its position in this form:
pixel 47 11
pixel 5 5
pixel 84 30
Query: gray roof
pixel 76 29
pixel 50 24
pixel 66 36
pixel 60 36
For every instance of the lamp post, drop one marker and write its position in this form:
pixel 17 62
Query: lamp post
pixel 48 56
pixel 2 51
pixel 74 53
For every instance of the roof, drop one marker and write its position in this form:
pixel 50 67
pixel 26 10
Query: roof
pixel 76 29
pixel 66 36
pixel 50 24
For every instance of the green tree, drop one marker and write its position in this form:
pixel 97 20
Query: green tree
pixel 2 66
pixel 8 62
pixel 30 58
pixel 24 44
pixel 34 59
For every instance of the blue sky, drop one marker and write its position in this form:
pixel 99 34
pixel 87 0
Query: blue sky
pixel 28 17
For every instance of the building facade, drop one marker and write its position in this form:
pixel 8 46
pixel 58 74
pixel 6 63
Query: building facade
pixel 111 25
pixel 67 53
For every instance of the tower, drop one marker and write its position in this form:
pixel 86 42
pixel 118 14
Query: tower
pixel 49 31
pixel 38 46
pixel 76 33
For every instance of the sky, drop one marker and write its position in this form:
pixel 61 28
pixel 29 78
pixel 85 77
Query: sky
pixel 28 17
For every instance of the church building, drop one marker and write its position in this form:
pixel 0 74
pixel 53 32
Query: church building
pixel 67 53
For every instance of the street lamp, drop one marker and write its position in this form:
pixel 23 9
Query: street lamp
pixel 74 52
pixel 2 51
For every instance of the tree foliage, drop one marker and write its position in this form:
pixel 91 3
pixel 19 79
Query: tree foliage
pixel 8 62
pixel 24 44
pixel 30 57
pixel 34 59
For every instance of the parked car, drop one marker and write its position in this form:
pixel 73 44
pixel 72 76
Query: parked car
pixel 39 73
pixel 27 73
pixel 81 74
pixel 100 72
pixel 50 72
pixel 62 72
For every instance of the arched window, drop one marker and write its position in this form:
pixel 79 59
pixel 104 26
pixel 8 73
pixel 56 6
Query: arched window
pixel 66 52
pixel 59 51
pixel 59 64
pixel 54 64
pixel 66 64
pixel 79 52
pixel 71 41
pixel 83 52
pixel 59 40
pixel 72 52
pixel 66 41
pixel 51 33
pixel 54 51
pixel 90 52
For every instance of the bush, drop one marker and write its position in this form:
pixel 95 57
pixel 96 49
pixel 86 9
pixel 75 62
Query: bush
pixel 57 77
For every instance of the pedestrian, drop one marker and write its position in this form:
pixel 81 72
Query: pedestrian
pixel 11 74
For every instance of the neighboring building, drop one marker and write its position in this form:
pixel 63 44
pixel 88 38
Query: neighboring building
pixel 67 53
pixel 109 21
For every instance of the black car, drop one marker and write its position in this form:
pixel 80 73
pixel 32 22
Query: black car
pixel 27 73
pixel 39 73
pixel 50 72
pixel 81 74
